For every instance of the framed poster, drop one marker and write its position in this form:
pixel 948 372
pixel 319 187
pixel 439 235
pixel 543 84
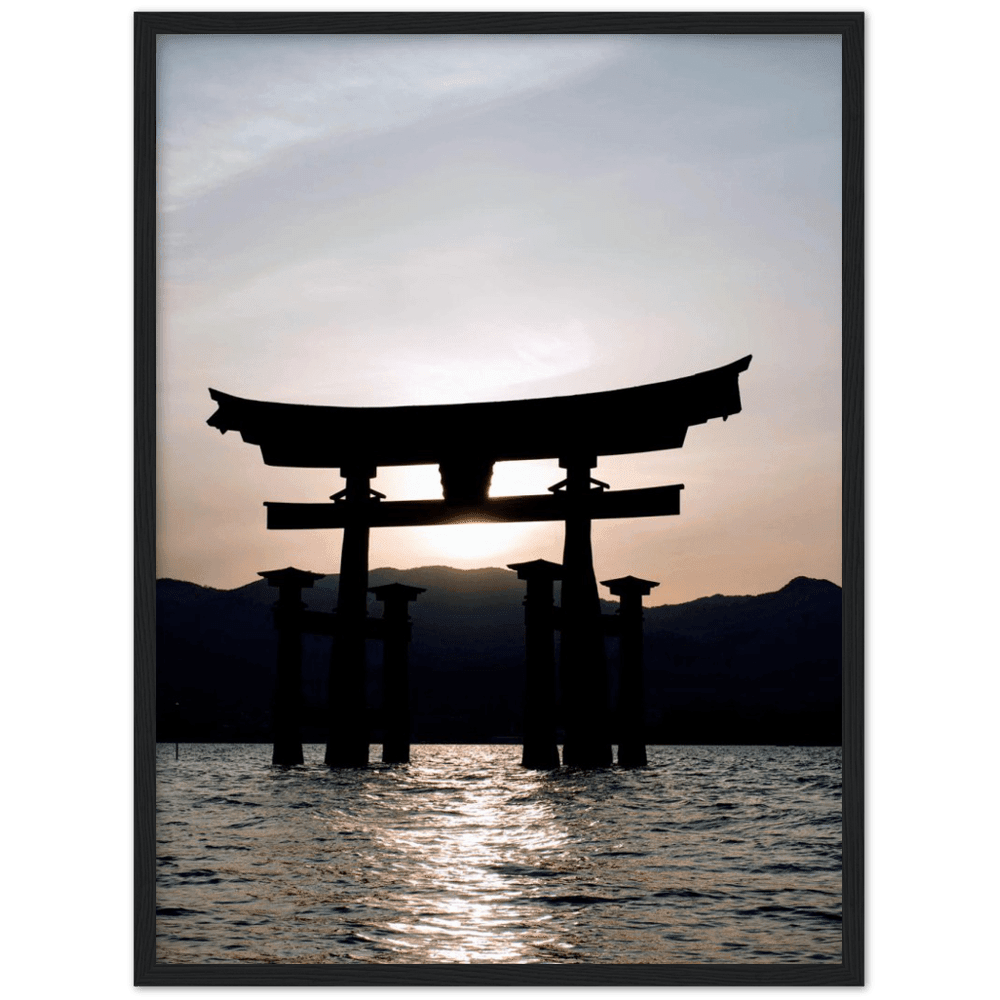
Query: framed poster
pixel 374 208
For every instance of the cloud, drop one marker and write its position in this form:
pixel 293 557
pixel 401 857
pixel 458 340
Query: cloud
pixel 226 103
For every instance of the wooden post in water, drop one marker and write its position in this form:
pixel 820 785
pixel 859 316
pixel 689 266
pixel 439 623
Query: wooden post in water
pixel 395 672
pixel 288 685
pixel 540 749
pixel 631 707
pixel 347 737
pixel 582 663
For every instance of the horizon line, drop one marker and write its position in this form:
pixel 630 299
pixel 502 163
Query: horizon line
pixel 504 569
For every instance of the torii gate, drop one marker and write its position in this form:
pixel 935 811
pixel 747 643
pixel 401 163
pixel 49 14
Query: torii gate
pixel 465 440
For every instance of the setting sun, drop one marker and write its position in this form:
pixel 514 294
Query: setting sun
pixel 477 543
pixel 473 542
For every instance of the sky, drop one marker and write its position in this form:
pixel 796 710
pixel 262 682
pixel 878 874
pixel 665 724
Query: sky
pixel 391 220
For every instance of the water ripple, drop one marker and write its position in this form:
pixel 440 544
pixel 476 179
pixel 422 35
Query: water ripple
pixel 709 854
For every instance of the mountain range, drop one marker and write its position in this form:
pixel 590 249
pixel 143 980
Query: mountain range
pixel 719 670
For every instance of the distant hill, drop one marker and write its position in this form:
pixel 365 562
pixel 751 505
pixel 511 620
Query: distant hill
pixel 760 669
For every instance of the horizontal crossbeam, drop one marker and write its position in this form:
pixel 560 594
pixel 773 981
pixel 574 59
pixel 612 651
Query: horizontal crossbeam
pixel 642 418
pixel 651 502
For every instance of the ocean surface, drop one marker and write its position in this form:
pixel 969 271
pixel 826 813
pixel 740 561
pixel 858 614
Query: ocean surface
pixel 709 854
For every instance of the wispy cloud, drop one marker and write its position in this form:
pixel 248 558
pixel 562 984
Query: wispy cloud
pixel 228 102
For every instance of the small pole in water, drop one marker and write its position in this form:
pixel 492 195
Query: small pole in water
pixel 177 751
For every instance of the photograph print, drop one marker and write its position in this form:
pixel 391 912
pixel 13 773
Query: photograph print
pixel 498 393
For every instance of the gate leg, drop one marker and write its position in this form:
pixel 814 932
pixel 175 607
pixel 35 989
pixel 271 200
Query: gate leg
pixel 582 664
pixel 288 688
pixel 347 740
pixel 395 667
pixel 631 710
pixel 540 750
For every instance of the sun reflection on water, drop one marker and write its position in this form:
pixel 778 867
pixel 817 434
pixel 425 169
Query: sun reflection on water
pixel 484 837
pixel 462 856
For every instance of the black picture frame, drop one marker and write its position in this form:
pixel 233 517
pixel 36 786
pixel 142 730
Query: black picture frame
pixel 850 26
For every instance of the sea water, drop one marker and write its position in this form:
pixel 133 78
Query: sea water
pixel 708 854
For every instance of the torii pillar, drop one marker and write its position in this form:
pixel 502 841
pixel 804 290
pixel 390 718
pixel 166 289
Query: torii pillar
pixel 395 673
pixel 631 709
pixel 288 686
pixel 540 750
pixel 582 663
pixel 347 739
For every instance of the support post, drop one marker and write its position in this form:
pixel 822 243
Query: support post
pixel 540 751
pixel 288 683
pixel 582 663
pixel 347 739
pixel 631 707
pixel 395 669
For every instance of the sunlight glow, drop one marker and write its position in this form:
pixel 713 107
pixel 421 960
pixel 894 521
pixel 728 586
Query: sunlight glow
pixel 423 482
pixel 472 543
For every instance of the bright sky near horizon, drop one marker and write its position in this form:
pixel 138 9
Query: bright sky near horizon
pixel 388 220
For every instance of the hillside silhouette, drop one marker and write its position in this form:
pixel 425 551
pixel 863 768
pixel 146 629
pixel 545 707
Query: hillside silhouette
pixel 738 670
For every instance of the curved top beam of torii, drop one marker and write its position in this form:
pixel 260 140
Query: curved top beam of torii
pixel 622 421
